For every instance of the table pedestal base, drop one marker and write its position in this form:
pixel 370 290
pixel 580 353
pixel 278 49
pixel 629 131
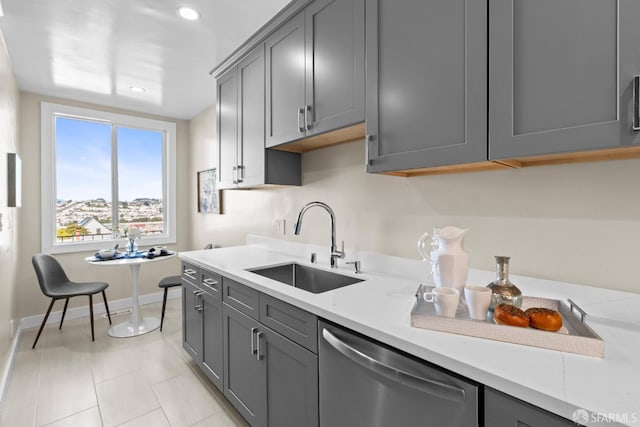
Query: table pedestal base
pixel 131 329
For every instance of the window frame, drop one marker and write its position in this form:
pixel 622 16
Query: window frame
pixel 49 112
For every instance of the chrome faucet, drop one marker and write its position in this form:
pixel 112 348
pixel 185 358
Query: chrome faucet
pixel 335 253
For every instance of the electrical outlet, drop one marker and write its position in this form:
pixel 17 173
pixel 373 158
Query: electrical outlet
pixel 281 226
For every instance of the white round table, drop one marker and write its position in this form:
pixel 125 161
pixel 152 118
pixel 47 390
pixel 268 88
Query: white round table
pixel 136 325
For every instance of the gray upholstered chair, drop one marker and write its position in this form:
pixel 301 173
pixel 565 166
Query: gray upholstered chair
pixel 170 282
pixel 56 285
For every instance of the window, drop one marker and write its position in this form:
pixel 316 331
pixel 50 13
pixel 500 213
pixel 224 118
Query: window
pixel 103 173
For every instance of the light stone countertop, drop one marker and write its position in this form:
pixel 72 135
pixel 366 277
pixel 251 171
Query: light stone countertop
pixel 380 307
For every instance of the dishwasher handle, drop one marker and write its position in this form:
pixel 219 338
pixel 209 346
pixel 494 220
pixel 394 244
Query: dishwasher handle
pixel 427 385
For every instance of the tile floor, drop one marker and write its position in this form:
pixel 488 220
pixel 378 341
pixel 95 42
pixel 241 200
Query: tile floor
pixel 146 381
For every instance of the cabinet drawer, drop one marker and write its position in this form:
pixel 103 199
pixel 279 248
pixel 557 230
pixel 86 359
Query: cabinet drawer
pixel 190 273
pixel 211 283
pixel 501 410
pixel 294 323
pixel 240 297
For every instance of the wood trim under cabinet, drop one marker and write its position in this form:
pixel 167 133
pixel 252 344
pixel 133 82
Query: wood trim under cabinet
pixel 339 136
pixel 523 162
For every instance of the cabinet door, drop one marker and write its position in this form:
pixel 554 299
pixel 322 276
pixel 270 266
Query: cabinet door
pixel 244 374
pixel 285 62
pixel 212 340
pixel 227 128
pixel 505 411
pixel 251 119
pixel 334 64
pixel 426 83
pixel 191 320
pixel 561 75
pixel 292 381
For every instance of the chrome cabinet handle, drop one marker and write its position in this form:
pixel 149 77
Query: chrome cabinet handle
pixel 190 273
pixel 636 103
pixel 198 295
pixel 258 352
pixel 240 174
pixel 235 174
pixel 367 144
pixel 427 385
pixel 210 282
pixel 253 347
pixel 300 113
pixel 307 121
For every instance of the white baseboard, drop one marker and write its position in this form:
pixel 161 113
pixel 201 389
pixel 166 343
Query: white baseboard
pixel 5 374
pixel 98 308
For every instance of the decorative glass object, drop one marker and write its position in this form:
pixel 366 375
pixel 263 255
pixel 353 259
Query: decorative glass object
pixel 503 291
pixel 132 247
pixel 133 234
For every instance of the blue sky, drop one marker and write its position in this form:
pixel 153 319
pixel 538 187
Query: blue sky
pixel 83 161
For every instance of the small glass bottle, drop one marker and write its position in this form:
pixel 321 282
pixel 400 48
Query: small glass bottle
pixel 503 291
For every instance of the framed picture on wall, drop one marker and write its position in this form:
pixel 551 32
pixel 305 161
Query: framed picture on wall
pixel 208 193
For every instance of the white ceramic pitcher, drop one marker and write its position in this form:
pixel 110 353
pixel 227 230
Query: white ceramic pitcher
pixel 449 262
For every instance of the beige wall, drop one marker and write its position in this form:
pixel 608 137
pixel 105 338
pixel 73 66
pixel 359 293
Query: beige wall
pixel 578 223
pixel 9 242
pixel 30 300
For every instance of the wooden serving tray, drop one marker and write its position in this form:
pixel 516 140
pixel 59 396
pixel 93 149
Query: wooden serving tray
pixel 574 337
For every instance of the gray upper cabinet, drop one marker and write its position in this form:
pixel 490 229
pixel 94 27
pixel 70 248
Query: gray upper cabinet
pixel 426 83
pixel 561 75
pixel 251 155
pixel 285 62
pixel 501 410
pixel 334 36
pixel 227 111
pixel 315 71
pixel 243 160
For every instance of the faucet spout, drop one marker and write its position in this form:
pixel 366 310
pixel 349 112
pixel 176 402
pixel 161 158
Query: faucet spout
pixel 335 253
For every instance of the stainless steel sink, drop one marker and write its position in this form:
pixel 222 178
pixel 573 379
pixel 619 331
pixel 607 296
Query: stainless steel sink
pixel 307 278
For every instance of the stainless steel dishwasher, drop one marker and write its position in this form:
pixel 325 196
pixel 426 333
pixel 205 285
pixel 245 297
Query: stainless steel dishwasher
pixel 368 384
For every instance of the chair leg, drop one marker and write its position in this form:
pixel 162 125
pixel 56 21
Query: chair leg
pixel 64 311
pixel 46 316
pixel 164 305
pixel 106 306
pixel 91 315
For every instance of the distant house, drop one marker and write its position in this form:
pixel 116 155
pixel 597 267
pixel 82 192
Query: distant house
pixel 94 226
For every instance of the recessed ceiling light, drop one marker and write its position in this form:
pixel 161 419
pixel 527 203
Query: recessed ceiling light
pixel 188 13
pixel 136 89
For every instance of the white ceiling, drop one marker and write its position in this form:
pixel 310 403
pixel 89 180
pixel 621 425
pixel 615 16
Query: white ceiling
pixel 94 50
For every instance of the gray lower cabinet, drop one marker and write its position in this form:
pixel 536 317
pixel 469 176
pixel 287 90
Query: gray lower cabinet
pixel 501 410
pixel 315 71
pixel 269 379
pixel 202 325
pixel 212 340
pixel 245 380
pixel 426 91
pixel 270 376
pixel 292 381
pixel 191 321
pixel 561 76
pixel 243 160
